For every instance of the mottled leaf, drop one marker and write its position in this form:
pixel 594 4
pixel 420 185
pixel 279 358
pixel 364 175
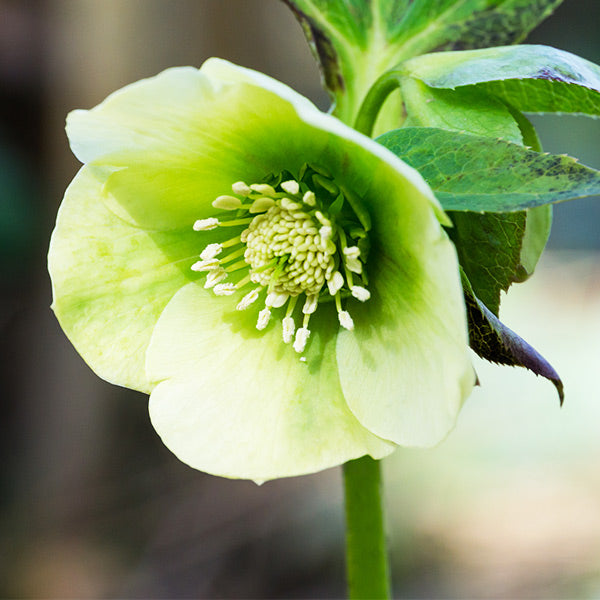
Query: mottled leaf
pixel 533 79
pixel 494 341
pixel 356 41
pixel 489 244
pixel 489 251
pixel 477 173
pixel 461 24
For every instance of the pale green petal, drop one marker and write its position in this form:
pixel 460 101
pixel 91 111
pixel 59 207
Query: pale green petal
pixel 237 402
pixel 171 144
pixel 405 369
pixel 112 280
pixel 226 398
pixel 176 141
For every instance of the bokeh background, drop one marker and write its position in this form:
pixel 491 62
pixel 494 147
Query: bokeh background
pixel 91 503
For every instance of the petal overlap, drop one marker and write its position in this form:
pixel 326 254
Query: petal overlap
pixel 257 411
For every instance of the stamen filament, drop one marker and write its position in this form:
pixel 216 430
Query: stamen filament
pixel 232 256
pixel 338 303
pixel 235 222
pixel 236 266
pixel 291 305
pixel 242 282
pixel 269 265
pixel 232 242
pixel 343 243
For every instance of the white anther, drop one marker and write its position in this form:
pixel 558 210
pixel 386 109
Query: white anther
pixel 289 204
pixel 353 264
pixel 352 252
pixel 311 304
pixel 326 232
pixel 211 251
pixel 261 205
pixel 224 289
pixel 322 218
pixel 291 187
pixel 263 318
pixel 227 203
pixel 248 299
pixel 360 293
pixel 263 188
pixel 309 198
pixel 206 224
pixel 205 265
pixel 276 299
pixel 328 246
pixel 215 276
pixel 335 283
pixel 302 336
pixel 239 187
pixel 346 320
pixel 288 329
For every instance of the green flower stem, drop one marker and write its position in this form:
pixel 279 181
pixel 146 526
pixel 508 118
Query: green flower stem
pixel 377 95
pixel 366 554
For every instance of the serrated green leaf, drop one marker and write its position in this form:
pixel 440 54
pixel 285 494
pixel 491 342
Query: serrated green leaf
pixel 489 251
pixel 489 245
pixel 534 79
pixel 494 341
pixel 480 174
pixel 356 41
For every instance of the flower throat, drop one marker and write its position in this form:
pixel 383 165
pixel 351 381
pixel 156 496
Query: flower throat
pixel 304 238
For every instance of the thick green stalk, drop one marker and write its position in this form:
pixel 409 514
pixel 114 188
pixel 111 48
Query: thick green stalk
pixel 366 553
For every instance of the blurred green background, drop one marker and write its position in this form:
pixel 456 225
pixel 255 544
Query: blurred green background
pixel 91 503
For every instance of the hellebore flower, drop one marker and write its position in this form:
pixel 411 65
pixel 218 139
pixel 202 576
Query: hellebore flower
pixel 279 283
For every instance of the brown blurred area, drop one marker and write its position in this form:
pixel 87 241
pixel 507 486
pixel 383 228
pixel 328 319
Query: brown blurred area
pixel 91 503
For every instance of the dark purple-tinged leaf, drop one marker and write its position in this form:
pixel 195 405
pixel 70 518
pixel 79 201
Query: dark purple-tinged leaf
pixel 536 79
pixel 495 342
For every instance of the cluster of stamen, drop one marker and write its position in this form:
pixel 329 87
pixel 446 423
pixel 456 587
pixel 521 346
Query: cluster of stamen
pixel 303 236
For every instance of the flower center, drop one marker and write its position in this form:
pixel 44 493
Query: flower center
pixel 286 252
pixel 304 236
